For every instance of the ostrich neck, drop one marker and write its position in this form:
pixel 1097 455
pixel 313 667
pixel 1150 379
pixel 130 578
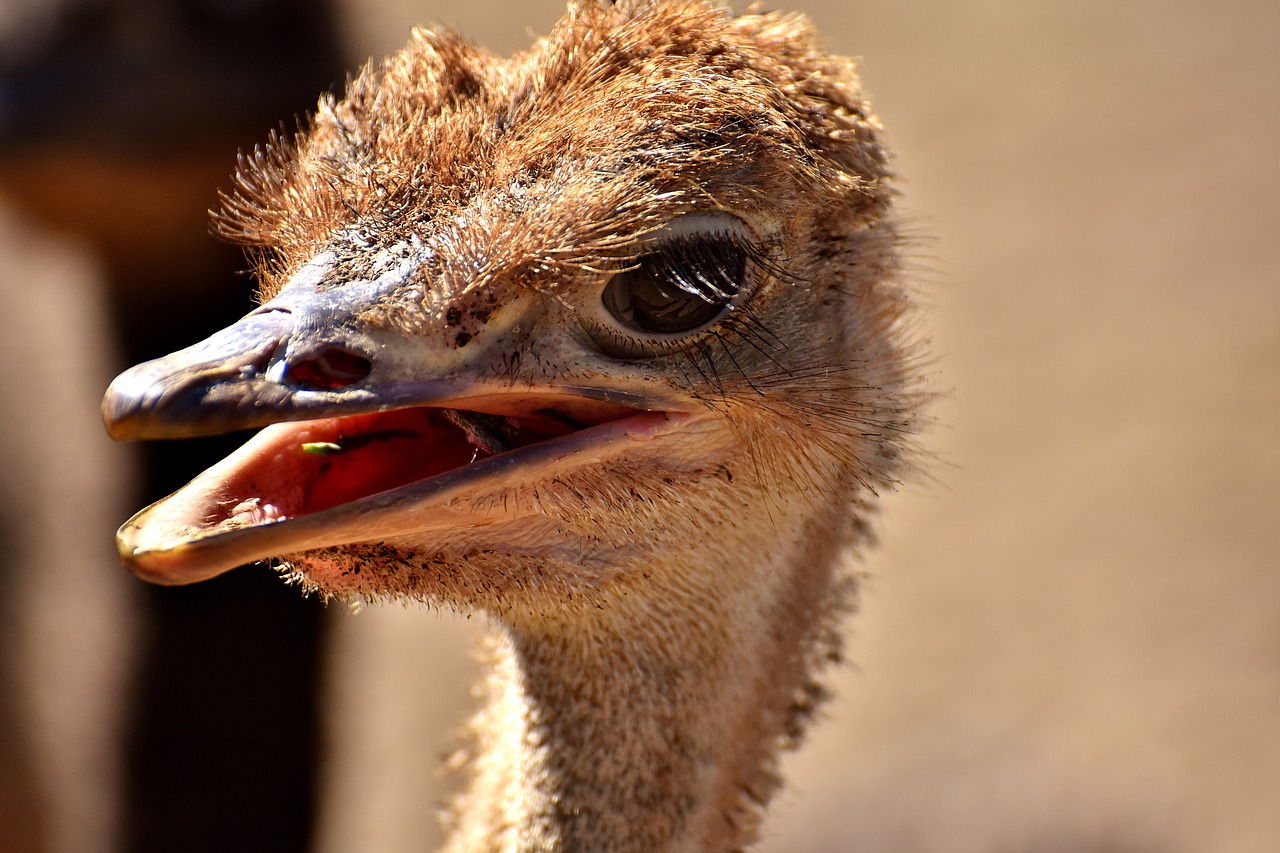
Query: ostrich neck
pixel 654 725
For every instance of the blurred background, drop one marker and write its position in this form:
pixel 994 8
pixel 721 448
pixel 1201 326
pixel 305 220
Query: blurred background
pixel 1071 637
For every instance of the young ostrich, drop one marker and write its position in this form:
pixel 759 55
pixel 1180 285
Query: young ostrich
pixel 603 341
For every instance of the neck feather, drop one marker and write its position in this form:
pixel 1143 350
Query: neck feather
pixel 654 724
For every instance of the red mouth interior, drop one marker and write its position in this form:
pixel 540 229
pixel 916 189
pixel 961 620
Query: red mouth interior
pixel 317 465
pixel 379 452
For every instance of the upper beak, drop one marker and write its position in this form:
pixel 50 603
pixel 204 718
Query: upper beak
pixel 291 360
pixel 217 385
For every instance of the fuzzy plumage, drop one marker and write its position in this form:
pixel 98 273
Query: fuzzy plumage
pixel 662 599
pixel 618 121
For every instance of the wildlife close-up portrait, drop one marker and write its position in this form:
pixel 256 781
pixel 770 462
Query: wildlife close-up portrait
pixel 639 426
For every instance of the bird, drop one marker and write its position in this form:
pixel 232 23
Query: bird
pixel 608 341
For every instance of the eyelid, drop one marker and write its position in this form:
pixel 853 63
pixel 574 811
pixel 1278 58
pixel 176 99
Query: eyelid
pixel 711 223
pixel 707 222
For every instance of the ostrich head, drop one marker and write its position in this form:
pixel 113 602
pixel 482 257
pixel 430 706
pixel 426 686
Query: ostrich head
pixel 541 334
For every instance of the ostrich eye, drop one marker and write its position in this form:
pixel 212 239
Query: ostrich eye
pixel 688 281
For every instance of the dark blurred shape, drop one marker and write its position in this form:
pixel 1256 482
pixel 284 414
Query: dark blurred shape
pixel 224 752
pixel 120 118
pixel 118 122
pixel 141 76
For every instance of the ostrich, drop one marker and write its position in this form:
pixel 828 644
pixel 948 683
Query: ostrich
pixel 604 341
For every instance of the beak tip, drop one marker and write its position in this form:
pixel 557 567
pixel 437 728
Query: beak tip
pixel 127 396
pixel 175 566
pixel 212 386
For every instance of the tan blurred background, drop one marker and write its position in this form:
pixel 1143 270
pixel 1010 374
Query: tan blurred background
pixel 1071 641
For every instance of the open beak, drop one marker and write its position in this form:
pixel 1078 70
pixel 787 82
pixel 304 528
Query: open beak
pixel 361 443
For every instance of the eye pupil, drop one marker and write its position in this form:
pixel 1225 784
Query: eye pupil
pixel 648 304
pixel 679 288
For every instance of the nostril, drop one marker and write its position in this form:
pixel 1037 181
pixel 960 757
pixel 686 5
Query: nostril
pixel 329 369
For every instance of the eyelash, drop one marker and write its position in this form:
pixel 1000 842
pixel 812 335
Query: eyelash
pixel 673 294
pixel 682 261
